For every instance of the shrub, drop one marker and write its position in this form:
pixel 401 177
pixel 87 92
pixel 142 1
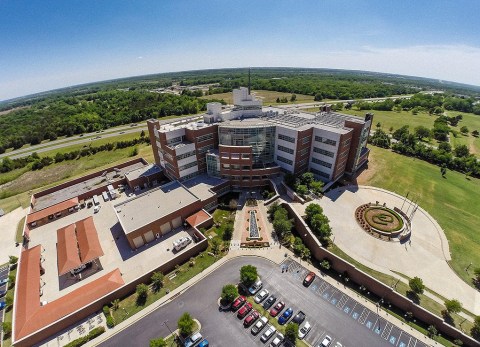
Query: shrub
pixel 158 343
pixel 13 259
pixel 142 293
pixel 110 322
pixel 453 306
pixel 157 281
pixel 185 324
pixel 325 264
pixel 7 328
pixel 106 311
pixel 291 332
pixel 416 285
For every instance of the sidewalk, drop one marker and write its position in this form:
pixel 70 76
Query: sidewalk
pixel 273 254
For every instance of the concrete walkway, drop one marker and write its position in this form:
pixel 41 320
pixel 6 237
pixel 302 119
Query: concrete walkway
pixel 426 257
pixel 8 230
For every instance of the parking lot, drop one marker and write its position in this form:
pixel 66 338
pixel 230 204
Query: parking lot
pixel 3 275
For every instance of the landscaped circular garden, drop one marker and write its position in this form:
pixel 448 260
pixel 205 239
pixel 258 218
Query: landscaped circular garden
pixel 380 221
pixel 383 219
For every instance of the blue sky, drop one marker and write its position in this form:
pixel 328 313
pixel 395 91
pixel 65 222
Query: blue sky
pixel 52 44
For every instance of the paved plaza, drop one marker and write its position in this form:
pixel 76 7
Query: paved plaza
pixel 426 256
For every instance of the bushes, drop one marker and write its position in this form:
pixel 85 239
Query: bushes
pixel 7 328
pixel 185 324
pixel 108 316
pixel 84 339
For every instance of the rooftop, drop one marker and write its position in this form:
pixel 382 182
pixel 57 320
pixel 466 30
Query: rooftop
pixel 145 171
pixel 83 185
pixel 201 186
pixel 152 205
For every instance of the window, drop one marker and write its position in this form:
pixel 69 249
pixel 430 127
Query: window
pixel 225 155
pixel 346 142
pixel 302 162
pixel 174 140
pixel 343 154
pixel 193 174
pixel 226 166
pixel 245 167
pixel 245 156
pixel 284 160
pixel 321 162
pixel 326 141
pixel 320 173
pixel 205 137
pixel 285 149
pixel 306 139
pixel 235 156
pixel 205 149
pixel 187 166
pixel 303 152
pixel 324 152
pixel 186 155
pixel 286 138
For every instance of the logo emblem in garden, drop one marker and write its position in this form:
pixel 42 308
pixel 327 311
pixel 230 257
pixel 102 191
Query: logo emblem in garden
pixel 383 222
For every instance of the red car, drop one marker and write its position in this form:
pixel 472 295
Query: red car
pixel 238 303
pixel 309 279
pixel 244 310
pixel 277 309
pixel 252 317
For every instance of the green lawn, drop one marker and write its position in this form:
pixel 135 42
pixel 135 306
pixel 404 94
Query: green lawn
pixel 472 122
pixel 453 201
pixel 268 97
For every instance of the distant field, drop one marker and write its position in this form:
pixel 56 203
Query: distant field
pixel 268 97
pixel 472 122
pixel 453 201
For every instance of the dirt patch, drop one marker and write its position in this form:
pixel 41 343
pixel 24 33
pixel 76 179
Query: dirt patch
pixel 13 109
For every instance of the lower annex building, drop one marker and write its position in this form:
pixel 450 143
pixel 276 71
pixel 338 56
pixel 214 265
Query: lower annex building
pixel 248 144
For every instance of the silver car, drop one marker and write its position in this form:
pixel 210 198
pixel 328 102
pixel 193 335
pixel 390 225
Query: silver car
pixel 303 331
pixel 268 333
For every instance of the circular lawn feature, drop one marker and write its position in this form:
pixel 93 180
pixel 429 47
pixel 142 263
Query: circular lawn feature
pixel 383 219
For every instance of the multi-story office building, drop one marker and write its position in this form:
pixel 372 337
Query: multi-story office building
pixel 249 143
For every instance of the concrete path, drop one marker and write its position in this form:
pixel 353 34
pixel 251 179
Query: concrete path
pixel 8 230
pixel 426 256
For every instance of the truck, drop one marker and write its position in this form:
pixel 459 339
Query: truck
pixel 105 196
pixel 95 200
pixel 111 191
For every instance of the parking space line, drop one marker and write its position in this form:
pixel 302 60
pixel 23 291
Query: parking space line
pixel 342 301
pixel 387 330
pixel 363 316
pixel 350 309
pixel 322 288
pixel 413 341
pixel 399 336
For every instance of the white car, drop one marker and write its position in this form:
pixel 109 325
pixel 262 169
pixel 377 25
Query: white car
pixel 259 325
pixel 255 287
pixel 96 209
pixel 181 243
pixel 326 342
pixel 192 340
pixel 277 340
pixel 268 333
pixel 303 331
pixel 261 296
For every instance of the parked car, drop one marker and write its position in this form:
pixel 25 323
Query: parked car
pixel 277 341
pixel 2 305
pixel 326 342
pixel 262 295
pixel 3 281
pixel 3 292
pixel 269 302
pixel 252 317
pixel 309 279
pixel 277 309
pixel 303 331
pixel 96 209
pixel 192 340
pixel 254 288
pixel 204 343
pixel 238 302
pixel 244 310
pixel 259 325
pixel 299 318
pixel 181 243
pixel 267 334
pixel 285 316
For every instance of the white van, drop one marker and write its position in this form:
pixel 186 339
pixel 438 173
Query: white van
pixel 181 243
pixel 95 200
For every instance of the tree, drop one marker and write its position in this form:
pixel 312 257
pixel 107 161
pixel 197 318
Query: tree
pixel 320 227
pixel 416 285
pixel 158 343
pixel 142 293
pixel 215 246
pixel 464 130
pixel 311 210
pixel 291 332
pixel 476 327
pixel 307 178
pixel 272 209
pixel 390 130
pixel 248 275
pixel 325 264
pixel 229 293
pixel 293 98
pixel 453 306
pixel 142 134
pixel 445 147
pixel 115 304
pixel 422 132
pixel 185 324
pixel 474 133
pixel 302 189
pixel 157 281
pixel 379 125
pixel 432 331
pixel 316 187
pixel 13 259
pixel 7 328
pixel 462 151
pixel 278 100
pixel 282 227
pixel 399 133
pixel 227 232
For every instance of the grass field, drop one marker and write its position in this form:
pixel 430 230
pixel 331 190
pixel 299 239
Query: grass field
pixel 472 122
pixel 453 201
pixel 17 192
pixel 268 97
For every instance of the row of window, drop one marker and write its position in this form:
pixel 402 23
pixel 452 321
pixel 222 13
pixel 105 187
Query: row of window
pixel 191 175
pixel 205 149
pixel 227 155
pixel 205 137
pixel 186 155
pixel 285 149
pixel 343 154
pixel 320 173
pixel 325 140
pixel 304 151
pixel 174 140
pixel 286 138
pixel 284 160
pixel 235 167
pixel 187 166
pixel 324 152
pixel 346 142
pixel 306 139
pixel 321 162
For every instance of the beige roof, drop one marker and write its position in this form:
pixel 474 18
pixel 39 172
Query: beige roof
pixel 153 205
